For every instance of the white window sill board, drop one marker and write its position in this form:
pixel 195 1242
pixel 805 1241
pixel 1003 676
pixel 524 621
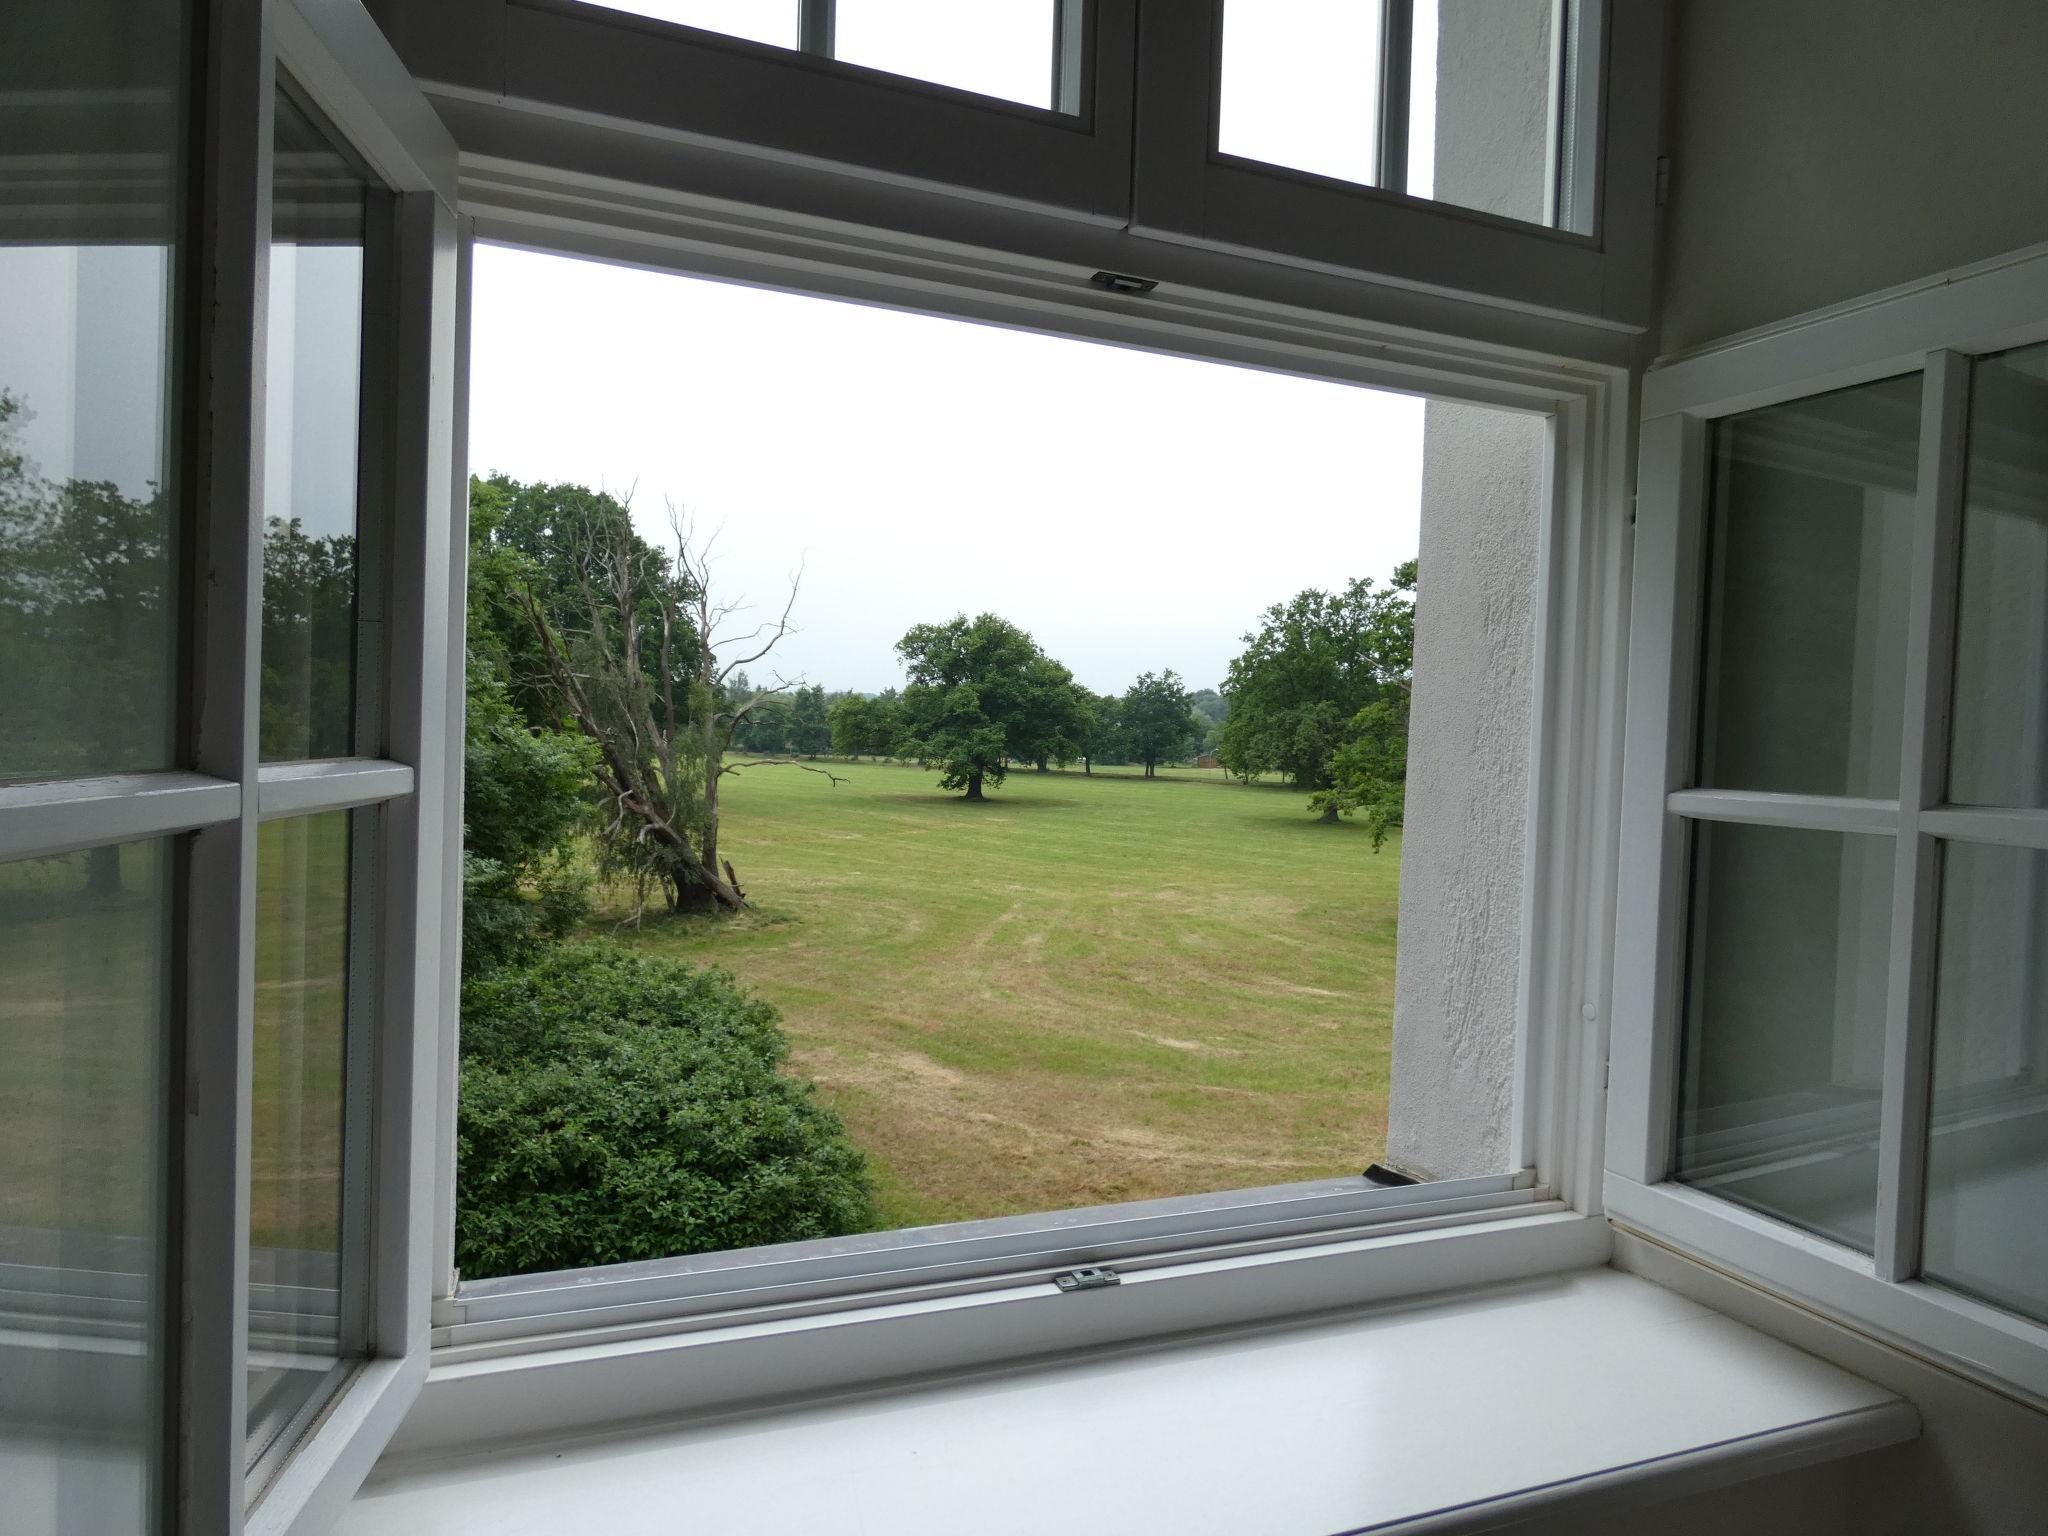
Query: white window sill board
pixel 1460 1413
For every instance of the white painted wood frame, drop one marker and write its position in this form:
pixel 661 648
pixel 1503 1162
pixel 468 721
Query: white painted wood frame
pixel 1933 328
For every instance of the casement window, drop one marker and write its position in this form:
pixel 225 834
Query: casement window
pixel 1829 1043
pixel 1304 132
pixel 229 784
pixel 225 622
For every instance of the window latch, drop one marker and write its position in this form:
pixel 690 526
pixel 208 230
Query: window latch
pixel 1123 282
pixel 1092 1278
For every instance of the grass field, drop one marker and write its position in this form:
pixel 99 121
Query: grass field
pixel 1086 989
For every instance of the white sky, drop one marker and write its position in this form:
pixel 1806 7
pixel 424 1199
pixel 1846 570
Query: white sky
pixel 1133 511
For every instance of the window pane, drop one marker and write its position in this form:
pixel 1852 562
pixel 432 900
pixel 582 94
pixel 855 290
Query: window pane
pixel 84 971
pixel 88 604
pixel 296 1205
pixel 2000 745
pixel 310 448
pixel 1802 669
pixel 760 21
pixel 1301 85
pixel 1784 1023
pixel 995 47
pixel 1987 1158
pixel 1487 105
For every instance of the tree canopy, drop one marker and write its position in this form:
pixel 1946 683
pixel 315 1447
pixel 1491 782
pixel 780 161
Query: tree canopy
pixel 981 694
pixel 1314 664
pixel 1158 724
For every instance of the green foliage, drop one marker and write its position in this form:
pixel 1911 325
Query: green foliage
pixel 1308 671
pixel 1369 772
pixel 865 727
pixel 615 1108
pixel 1104 740
pixel 982 694
pixel 810 731
pixel 1158 724
pixel 309 642
pixel 85 578
pixel 523 801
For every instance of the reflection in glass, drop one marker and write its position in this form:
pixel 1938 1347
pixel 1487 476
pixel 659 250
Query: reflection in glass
pixel 1001 48
pixel 1301 85
pixel 1999 745
pixel 1986 1228
pixel 1802 667
pixel 296 1293
pixel 1783 1047
pixel 760 21
pixel 85 974
pixel 1489 101
pixel 89 99
pixel 313 392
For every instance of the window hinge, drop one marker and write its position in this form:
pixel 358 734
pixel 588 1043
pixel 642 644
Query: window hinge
pixel 1663 180
pixel 1092 1278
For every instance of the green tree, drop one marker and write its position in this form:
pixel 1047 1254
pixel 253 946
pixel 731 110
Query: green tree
pixel 980 697
pixel 1158 724
pixel 524 799
pixel 810 729
pixel 1308 670
pixel 1104 740
pixel 1369 773
pixel 863 726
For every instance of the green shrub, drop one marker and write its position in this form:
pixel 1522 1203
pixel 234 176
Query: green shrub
pixel 618 1108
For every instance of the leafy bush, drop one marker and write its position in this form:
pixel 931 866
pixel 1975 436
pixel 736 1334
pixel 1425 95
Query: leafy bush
pixel 522 805
pixel 618 1108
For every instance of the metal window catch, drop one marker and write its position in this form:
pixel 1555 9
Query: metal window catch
pixel 1123 282
pixel 1093 1278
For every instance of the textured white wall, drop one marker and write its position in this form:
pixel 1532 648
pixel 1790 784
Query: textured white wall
pixel 1468 776
pixel 1468 750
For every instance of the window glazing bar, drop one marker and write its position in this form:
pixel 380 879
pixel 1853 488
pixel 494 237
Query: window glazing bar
pixel 1923 775
pixel 1397 60
pixel 1971 824
pixel 334 784
pixel 62 816
pixel 817 28
pixel 1762 808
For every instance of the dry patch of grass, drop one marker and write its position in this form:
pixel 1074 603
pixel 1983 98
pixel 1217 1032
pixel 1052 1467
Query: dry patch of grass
pixel 1088 989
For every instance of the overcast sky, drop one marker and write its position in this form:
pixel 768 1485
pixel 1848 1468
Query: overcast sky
pixel 1134 512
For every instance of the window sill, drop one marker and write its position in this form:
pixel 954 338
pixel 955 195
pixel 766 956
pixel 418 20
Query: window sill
pixel 1570 1391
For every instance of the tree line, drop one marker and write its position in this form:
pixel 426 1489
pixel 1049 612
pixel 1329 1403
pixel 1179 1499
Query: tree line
pixel 592 636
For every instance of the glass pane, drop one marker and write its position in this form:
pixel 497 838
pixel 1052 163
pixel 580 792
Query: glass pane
pixel 1987 1157
pixel 1784 1023
pixel 1422 100
pixel 1802 671
pixel 998 48
pixel 1301 85
pixel 85 974
pixel 296 1338
pixel 88 606
pixel 1999 749
pixel 760 21
pixel 313 397
pixel 1487 105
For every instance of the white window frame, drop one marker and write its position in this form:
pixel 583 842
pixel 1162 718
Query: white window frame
pixel 653 1312
pixel 687 1333
pixel 1933 328
pixel 544 78
pixel 1606 165
pixel 212 805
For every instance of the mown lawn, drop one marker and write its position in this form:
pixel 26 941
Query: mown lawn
pixel 1086 989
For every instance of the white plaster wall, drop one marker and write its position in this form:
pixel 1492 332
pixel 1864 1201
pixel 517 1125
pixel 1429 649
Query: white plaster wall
pixel 1468 776
pixel 1829 148
pixel 1468 750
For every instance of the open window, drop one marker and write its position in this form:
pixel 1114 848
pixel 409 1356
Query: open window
pixel 1830 1071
